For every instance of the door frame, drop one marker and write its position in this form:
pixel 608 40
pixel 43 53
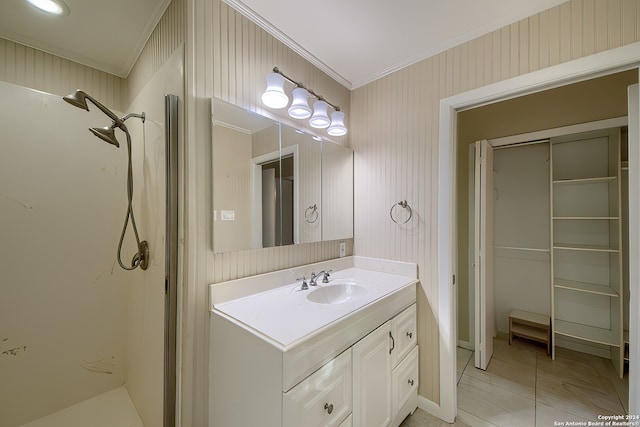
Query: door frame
pixel 256 201
pixel 597 65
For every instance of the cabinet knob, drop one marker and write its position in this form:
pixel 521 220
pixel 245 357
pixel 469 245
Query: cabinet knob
pixel 328 407
pixel 410 382
pixel 410 334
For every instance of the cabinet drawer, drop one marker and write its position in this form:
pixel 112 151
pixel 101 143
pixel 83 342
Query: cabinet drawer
pixel 404 330
pixel 405 383
pixel 323 399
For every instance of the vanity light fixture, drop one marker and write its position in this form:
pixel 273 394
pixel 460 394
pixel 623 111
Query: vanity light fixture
pixel 275 97
pixel 54 7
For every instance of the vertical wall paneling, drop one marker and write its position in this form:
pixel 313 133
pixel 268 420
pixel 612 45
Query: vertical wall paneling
pixel 168 35
pixel 39 70
pixel 382 118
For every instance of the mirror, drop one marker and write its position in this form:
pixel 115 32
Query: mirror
pixel 337 192
pixel 269 183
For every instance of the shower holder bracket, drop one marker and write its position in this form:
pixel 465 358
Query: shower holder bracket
pixel 143 254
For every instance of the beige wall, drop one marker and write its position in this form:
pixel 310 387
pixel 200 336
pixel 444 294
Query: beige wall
pixel 394 134
pixel 596 99
pixel 169 34
pixel 35 69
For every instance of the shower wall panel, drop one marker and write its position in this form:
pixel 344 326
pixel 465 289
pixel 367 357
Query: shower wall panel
pixel 145 328
pixel 62 295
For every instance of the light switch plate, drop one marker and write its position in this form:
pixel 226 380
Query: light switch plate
pixel 227 215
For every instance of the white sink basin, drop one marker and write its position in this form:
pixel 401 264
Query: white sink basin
pixel 339 293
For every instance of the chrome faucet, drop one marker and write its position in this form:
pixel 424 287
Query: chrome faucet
pixel 314 277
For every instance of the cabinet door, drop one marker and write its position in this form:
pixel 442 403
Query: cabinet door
pixel 403 330
pixel 372 379
pixel 323 399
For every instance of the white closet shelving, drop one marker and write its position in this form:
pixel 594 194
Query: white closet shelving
pixel 586 238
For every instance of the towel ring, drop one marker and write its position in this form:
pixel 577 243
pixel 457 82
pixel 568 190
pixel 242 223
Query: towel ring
pixel 311 214
pixel 402 204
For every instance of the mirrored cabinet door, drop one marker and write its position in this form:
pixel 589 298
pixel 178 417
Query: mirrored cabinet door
pixel 337 192
pixel 305 154
pixel 275 185
pixel 243 144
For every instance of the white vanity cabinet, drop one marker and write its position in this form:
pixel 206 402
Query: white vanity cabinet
pixel 385 373
pixel 263 372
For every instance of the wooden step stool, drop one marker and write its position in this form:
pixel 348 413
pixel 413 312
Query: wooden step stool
pixel 533 326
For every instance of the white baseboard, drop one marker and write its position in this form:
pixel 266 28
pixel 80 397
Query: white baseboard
pixel 600 351
pixel 432 408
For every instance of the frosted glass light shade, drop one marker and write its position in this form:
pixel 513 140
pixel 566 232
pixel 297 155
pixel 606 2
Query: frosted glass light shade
pixel 320 118
pixel 300 106
pixel 274 96
pixel 337 127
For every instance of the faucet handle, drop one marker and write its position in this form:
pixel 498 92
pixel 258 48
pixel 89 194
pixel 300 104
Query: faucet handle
pixel 304 285
pixel 325 279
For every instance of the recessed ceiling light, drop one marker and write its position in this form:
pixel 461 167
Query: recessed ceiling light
pixel 54 7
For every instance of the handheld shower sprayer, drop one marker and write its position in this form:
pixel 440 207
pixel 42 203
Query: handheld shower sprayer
pixel 79 99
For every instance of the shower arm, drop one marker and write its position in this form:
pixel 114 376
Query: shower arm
pixel 116 120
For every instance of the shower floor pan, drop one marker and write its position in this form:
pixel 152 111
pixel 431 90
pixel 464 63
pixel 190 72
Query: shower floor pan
pixel 111 409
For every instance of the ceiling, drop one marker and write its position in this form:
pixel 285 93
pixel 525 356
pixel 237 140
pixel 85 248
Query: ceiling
pixel 358 41
pixel 353 41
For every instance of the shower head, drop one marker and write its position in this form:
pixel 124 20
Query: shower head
pixel 106 134
pixel 79 99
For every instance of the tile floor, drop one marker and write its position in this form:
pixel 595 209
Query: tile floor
pixel 522 386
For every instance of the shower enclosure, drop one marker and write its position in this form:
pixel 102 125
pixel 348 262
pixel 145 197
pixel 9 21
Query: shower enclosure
pixel 82 341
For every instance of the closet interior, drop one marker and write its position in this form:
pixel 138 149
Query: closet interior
pixel 560 238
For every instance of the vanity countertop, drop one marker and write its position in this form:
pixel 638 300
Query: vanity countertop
pixel 285 317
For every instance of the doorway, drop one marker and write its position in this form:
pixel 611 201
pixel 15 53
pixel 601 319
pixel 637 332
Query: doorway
pixel 578 70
